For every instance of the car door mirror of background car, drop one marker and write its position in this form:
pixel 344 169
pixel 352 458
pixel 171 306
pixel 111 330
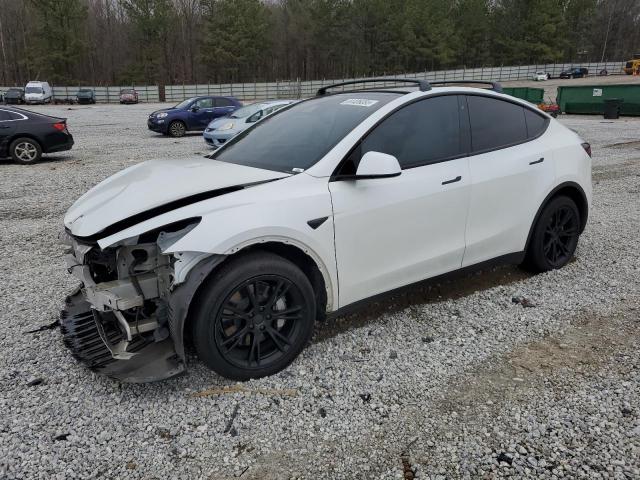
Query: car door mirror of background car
pixel 377 165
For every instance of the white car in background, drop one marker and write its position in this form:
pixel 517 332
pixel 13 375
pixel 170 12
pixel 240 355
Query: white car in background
pixel 223 129
pixel 540 76
pixel 334 200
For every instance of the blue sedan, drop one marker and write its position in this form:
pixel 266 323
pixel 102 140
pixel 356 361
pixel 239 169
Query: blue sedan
pixel 191 114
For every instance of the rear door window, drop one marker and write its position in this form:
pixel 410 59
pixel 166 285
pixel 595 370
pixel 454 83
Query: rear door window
pixel 223 102
pixel 4 116
pixel 495 123
pixel 421 133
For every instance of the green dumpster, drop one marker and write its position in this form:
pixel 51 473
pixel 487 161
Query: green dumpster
pixel 591 99
pixel 533 95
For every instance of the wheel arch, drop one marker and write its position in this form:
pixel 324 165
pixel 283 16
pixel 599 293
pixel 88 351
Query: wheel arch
pixel 30 136
pixel 572 190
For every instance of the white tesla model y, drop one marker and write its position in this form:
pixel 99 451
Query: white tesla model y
pixel 331 201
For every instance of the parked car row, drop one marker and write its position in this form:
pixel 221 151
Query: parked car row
pixel 41 93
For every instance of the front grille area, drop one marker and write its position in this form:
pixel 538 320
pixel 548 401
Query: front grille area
pixel 80 334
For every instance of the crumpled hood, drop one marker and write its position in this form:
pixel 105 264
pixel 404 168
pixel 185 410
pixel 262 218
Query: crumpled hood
pixel 152 184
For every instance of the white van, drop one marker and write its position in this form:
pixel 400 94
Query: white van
pixel 38 92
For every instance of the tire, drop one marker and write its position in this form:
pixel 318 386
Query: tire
pixel 227 321
pixel 25 150
pixel 177 129
pixel 555 236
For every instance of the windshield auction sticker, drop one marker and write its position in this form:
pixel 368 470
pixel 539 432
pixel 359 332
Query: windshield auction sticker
pixel 359 102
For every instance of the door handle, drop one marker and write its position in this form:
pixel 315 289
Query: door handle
pixel 540 160
pixel 5 126
pixel 453 180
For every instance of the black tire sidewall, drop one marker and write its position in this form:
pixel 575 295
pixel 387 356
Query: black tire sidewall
pixel 536 259
pixel 15 158
pixel 220 284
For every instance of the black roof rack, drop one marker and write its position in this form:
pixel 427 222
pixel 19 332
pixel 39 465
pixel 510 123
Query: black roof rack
pixel 495 86
pixel 423 84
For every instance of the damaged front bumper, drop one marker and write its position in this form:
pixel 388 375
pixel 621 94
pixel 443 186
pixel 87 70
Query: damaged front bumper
pixel 126 319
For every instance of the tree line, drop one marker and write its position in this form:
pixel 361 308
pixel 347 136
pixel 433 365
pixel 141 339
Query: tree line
pixel 113 42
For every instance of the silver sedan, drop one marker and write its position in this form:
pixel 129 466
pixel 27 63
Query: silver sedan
pixel 222 129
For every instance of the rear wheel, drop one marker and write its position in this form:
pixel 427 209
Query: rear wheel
pixel 25 150
pixel 555 236
pixel 177 128
pixel 254 317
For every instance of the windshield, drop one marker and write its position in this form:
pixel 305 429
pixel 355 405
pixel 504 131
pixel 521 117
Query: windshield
pixel 302 134
pixel 126 92
pixel 33 90
pixel 247 111
pixel 184 103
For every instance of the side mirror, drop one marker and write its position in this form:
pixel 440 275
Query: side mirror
pixel 195 108
pixel 377 165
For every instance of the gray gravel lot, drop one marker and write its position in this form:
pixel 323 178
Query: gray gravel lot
pixel 450 380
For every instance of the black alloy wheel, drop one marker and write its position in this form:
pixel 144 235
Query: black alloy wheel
pixel 560 236
pixel 555 236
pixel 259 321
pixel 254 316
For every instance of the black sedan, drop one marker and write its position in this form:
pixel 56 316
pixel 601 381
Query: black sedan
pixel 14 95
pixel 26 135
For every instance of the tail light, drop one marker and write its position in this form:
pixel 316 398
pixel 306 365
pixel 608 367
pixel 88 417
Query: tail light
pixel 60 126
pixel 587 148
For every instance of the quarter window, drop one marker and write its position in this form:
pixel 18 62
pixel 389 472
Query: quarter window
pixel 495 123
pixel 536 124
pixel 423 132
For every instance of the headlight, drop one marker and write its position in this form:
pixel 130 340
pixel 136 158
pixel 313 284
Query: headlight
pixel 162 115
pixel 227 126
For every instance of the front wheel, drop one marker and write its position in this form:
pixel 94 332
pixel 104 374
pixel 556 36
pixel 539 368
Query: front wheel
pixel 177 129
pixel 254 316
pixel 555 236
pixel 25 150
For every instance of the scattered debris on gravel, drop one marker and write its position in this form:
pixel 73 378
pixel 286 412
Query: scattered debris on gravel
pixel 447 380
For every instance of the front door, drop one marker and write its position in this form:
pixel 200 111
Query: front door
pixel 391 232
pixel 202 114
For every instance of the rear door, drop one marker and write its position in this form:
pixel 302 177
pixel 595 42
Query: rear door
pixel 224 107
pixel 7 127
pixel 391 232
pixel 511 169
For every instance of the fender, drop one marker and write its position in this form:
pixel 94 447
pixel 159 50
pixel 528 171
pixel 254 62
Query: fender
pixel 546 200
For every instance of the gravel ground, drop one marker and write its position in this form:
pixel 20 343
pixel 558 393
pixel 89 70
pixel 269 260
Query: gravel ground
pixel 452 380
